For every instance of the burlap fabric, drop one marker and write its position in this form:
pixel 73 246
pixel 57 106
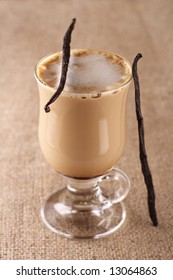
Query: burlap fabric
pixel 28 31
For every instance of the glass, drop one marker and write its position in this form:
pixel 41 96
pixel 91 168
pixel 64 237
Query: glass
pixel 82 138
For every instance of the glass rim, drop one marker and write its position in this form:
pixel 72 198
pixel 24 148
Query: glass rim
pixel 84 94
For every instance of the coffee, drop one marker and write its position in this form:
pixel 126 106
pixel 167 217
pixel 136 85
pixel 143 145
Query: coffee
pixel 84 133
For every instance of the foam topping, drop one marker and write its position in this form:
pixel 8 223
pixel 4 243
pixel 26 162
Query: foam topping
pixel 89 71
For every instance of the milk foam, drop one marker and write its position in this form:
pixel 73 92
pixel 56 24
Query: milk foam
pixel 88 71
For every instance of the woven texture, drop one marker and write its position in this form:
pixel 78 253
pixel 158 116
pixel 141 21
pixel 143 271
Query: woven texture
pixel 32 29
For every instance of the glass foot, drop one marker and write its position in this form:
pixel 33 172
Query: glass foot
pixel 88 208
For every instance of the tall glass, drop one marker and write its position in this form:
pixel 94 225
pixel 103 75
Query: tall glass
pixel 82 138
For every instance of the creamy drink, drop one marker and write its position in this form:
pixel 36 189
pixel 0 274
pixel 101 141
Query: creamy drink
pixel 83 135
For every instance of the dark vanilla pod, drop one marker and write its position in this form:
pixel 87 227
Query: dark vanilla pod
pixel 142 150
pixel 65 63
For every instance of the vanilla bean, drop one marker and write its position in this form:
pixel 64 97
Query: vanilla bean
pixel 142 150
pixel 65 62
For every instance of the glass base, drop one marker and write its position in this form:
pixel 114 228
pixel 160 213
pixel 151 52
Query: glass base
pixel 91 208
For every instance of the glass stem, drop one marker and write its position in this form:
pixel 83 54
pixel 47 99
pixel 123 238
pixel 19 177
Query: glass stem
pixel 85 192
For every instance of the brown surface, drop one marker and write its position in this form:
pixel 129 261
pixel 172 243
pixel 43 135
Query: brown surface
pixel 32 29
